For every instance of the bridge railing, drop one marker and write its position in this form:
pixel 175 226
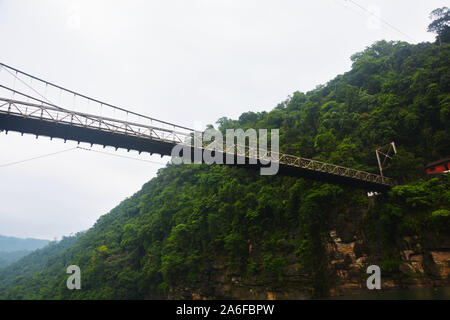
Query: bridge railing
pixel 296 161
pixel 21 86
pixel 54 114
pixel 28 96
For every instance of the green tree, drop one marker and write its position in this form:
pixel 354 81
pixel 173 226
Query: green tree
pixel 440 24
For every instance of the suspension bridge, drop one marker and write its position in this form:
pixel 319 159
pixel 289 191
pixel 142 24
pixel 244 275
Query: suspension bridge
pixel 30 105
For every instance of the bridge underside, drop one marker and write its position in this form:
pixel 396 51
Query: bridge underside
pixel 9 122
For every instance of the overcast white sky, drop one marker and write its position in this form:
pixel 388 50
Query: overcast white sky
pixel 184 61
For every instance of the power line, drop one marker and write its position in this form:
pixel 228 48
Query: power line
pixel 78 147
pixel 381 19
pixel 121 156
pixel 34 158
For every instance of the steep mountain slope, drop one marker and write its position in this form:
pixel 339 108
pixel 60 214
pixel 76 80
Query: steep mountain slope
pixel 220 232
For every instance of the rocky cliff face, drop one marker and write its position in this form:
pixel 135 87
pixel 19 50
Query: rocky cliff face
pixel 422 263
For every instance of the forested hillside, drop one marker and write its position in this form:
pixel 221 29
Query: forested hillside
pixel 223 232
pixel 30 266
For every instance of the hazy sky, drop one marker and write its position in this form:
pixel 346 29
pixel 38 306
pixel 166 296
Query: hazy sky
pixel 184 61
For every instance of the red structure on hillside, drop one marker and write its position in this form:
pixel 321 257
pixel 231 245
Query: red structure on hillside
pixel 439 166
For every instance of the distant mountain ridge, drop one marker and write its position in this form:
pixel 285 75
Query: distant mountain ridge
pixel 10 244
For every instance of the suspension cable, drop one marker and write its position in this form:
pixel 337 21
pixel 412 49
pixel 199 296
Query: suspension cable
pixel 91 99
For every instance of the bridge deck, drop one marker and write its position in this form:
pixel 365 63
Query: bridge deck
pixel 49 120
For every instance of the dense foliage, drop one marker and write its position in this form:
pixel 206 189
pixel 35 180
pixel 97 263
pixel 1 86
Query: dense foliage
pixel 191 217
pixel 23 279
pixel 420 208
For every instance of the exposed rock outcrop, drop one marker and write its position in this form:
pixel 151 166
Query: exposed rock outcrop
pixel 421 263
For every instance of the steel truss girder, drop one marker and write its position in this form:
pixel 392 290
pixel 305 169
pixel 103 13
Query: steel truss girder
pixel 186 137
